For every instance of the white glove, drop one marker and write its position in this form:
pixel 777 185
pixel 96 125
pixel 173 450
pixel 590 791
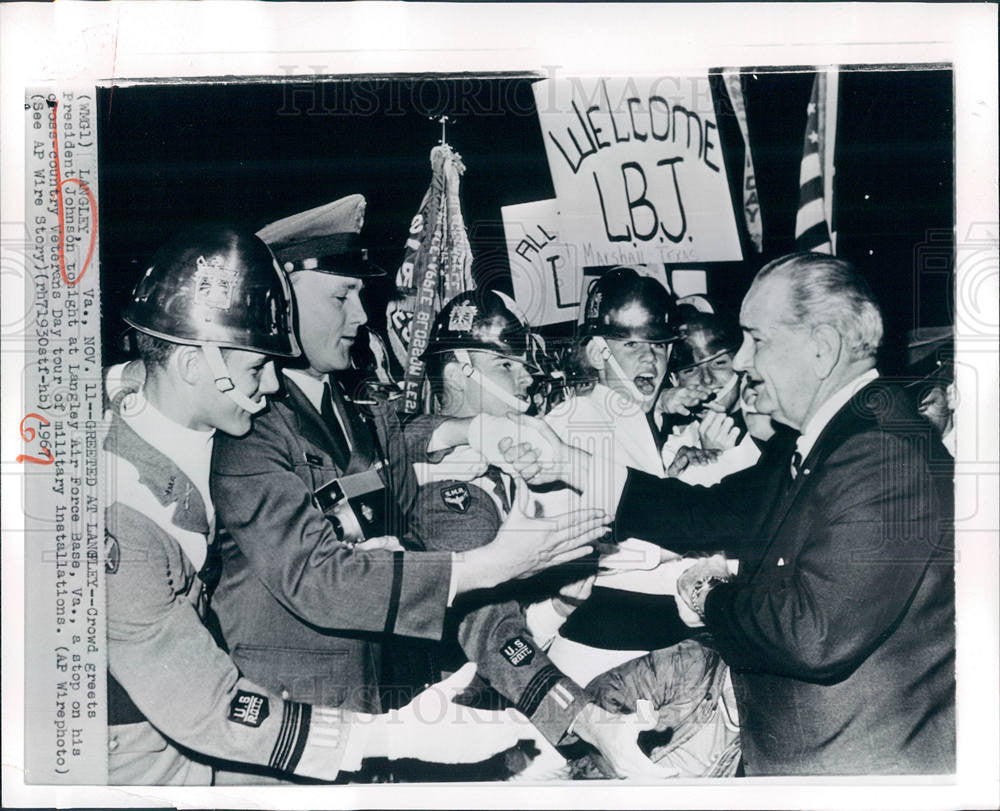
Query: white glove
pixel 633 553
pixel 433 728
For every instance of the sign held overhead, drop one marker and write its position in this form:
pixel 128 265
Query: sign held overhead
pixel 637 168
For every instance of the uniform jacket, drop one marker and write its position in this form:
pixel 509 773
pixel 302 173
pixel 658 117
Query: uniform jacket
pixel 174 695
pixel 840 625
pixel 302 613
pixel 491 626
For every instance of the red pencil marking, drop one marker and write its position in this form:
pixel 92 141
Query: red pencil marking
pixel 28 435
pixel 59 199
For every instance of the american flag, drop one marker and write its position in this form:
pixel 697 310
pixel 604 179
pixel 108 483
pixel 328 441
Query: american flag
pixel 813 223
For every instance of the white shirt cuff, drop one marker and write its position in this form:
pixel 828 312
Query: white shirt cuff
pixel 452 582
pixel 543 622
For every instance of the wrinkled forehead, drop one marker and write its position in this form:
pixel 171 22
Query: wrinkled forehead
pixel 768 303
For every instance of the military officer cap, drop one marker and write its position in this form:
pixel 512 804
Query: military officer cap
pixel 326 239
pixel 930 355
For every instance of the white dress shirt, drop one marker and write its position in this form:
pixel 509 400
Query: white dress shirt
pixel 190 450
pixel 814 427
pixel 312 388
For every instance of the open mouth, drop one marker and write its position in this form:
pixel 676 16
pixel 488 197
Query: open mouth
pixel 646 384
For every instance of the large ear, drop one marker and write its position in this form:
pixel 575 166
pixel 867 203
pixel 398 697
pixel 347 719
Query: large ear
pixel 593 355
pixel 828 346
pixel 453 379
pixel 189 361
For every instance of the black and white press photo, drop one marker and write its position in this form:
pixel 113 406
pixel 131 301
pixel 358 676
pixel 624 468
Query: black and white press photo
pixel 567 426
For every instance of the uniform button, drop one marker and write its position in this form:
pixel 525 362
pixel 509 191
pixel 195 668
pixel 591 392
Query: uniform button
pixel 285 695
pixel 113 744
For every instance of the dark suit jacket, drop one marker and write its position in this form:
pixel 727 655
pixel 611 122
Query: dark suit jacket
pixel 840 625
pixel 302 613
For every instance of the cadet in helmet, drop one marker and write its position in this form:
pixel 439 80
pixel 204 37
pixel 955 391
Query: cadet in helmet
pixel 303 605
pixel 702 363
pixel 478 364
pixel 212 312
pixel 626 337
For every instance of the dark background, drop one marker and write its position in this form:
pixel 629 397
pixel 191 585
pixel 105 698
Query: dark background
pixel 172 155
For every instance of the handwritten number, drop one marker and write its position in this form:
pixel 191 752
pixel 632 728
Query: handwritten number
pixel 28 435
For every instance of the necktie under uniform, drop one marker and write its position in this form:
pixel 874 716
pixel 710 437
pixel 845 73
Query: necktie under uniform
pixel 342 451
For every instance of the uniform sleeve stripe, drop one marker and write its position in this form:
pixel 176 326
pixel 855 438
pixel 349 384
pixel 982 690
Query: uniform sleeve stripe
pixel 291 736
pixel 300 741
pixel 280 750
pixel 395 591
pixel 537 688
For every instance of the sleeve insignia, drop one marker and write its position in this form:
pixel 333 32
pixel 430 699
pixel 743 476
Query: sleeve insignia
pixel 518 651
pixel 456 497
pixel 249 709
pixel 112 554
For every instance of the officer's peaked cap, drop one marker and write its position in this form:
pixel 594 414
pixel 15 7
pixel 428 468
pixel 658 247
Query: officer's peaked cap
pixel 326 239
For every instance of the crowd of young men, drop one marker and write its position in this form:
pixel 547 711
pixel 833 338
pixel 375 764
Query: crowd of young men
pixel 294 571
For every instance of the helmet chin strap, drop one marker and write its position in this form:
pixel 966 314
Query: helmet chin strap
pixel 224 383
pixel 616 367
pixel 480 379
pixel 730 385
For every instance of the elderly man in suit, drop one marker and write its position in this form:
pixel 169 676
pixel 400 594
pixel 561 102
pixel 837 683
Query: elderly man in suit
pixel 839 626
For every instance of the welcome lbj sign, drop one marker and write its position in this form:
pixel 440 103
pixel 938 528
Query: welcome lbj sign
pixel 637 169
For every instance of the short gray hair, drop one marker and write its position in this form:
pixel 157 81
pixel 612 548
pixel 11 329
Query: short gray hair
pixel 827 290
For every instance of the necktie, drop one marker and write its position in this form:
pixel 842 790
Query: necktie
pixel 495 475
pixel 342 451
pixel 796 464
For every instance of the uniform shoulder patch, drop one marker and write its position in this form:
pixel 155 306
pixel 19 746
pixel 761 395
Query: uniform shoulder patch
pixel 249 709
pixel 456 497
pixel 518 651
pixel 112 554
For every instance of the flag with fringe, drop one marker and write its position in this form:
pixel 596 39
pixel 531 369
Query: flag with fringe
pixel 436 266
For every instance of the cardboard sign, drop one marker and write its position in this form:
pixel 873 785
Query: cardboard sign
pixel 637 168
pixel 544 270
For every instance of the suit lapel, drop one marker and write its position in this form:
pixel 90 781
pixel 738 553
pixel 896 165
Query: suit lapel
pixel 852 418
pixel 312 428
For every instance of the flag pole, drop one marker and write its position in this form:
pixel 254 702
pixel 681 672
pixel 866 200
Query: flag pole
pixel 829 148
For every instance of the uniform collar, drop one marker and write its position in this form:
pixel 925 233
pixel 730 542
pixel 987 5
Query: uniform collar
pixel 159 474
pixel 311 387
pixel 826 412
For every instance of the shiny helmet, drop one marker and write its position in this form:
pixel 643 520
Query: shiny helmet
pixel 626 305
pixel 483 321
pixel 216 287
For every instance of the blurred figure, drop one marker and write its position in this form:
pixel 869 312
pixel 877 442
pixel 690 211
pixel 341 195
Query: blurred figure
pixel 702 362
pixel 930 359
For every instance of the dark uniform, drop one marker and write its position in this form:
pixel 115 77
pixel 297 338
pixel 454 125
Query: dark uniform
pixel 301 610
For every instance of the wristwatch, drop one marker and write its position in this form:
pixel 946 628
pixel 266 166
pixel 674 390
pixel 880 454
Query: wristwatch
pixel 699 593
